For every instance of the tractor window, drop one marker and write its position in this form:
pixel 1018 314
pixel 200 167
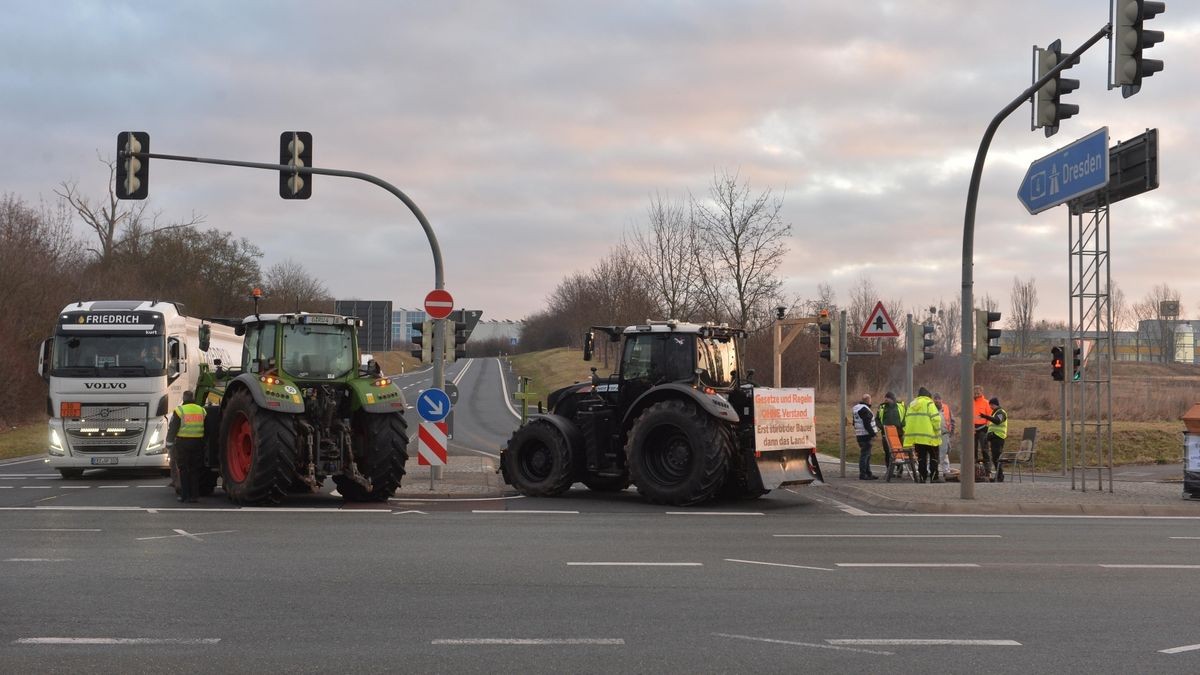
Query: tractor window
pixel 718 358
pixel 318 351
pixel 258 348
pixel 658 357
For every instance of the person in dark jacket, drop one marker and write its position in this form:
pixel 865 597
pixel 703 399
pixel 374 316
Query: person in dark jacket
pixel 891 413
pixel 864 431
pixel 997 431
pixel 185 438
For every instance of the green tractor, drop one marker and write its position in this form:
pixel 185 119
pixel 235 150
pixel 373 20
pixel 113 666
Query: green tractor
pixel 300 409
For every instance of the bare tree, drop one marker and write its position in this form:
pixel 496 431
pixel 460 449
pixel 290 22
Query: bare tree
pixel 1122 313
pixel 289 287
pixel 863 297
pixel 113 221
pixel 1156 324
pixel 747 239
pixel 949 323
pixel 662 252
pixel 1022 303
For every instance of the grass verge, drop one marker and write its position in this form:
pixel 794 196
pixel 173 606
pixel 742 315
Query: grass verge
pixel 24 440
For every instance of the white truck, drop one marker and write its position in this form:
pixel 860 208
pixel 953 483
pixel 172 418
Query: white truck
pixel 116 370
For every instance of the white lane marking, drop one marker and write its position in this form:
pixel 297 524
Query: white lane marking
pixel 845 508
pixel 115 641
pixel 458 378
pixel 426 500
pixel 58 529
pixel 528 641
pixel 6 487
pixel 799 567
pixel 155 509
pixel 1025 516
pixel 37 560
pixel 74 487
pixel 504 388
pixel 635 564
pixel 714 513
pixel 153 486
pixel 18 476
pixel 183 533
pixel 46 499
pixel 110 487
pixel 923 643
pixel 1151 566
pixel 24 461
pixel 400 513
pixel 907 564
pixel 793 643
pixel 1183 537
pixel 1179 650
pixel 893 536
pixel 36 487
pixel 527 511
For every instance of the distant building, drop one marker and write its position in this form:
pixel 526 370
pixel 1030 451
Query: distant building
pixel 509 331
pixel 1154 341
pixel 402 320
pixel 376 333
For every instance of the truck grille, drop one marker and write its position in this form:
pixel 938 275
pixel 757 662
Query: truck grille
pixel 113 413
pixel 112 428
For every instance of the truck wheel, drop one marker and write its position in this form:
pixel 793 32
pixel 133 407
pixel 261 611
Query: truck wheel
pixel 381 450
pixel 258 458
pixel 677 454
pixel 606 483
pixel 537 461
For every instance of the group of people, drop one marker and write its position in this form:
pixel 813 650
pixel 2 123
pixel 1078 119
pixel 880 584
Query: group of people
pixel 927 425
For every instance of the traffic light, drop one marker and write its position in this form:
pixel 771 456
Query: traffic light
pixel 918 344
pixel 1056 363
pixel 1048 108
pixel 133 173
pixel 984 334
pixel 295 149
pixel 831 339
pixel 423 339
pixel 1130 40
pixel 1075 374
pixel 456 340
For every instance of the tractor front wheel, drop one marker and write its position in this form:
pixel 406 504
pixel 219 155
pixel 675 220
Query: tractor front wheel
pixel 677 454
pixel 537 461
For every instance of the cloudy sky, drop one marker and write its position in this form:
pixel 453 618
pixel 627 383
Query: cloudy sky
pixel 532 134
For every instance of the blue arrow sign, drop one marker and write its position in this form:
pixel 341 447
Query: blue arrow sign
pixel 1067 173
pixel 433 405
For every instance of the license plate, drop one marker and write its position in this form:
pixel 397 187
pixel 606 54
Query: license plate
pixel 104 460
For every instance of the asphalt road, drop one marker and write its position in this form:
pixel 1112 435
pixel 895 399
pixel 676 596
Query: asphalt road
pixel 109 574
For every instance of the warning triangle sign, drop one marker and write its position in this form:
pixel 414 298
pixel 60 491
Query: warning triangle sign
pixel 879 324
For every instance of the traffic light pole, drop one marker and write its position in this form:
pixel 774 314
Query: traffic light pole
pixel 843 357
pixel 967 382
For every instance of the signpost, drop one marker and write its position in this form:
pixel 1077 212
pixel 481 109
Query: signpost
pixel 1067 173
pixel 879 324
pixel 433 405
pixel 439 303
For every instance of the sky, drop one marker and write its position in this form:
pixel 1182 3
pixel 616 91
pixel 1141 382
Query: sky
pixel 533 134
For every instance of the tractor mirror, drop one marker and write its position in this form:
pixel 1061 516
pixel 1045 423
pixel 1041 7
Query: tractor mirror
pixel 589 344
pixel 205 337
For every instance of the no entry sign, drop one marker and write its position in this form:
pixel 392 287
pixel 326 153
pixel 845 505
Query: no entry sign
pixel 439 303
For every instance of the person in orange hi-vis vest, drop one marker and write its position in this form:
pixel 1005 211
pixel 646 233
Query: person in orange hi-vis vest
pixel 983 410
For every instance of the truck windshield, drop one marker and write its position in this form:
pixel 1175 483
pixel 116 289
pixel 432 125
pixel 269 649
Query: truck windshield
pixel 318 352
pixel 108 356
pixel 718 358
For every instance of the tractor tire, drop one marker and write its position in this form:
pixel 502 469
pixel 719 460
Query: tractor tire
pixel 606 483
pixel 537 461
pixel 381 450
pixel 258 452
pixel 677 454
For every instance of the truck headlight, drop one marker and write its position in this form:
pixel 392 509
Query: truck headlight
pixel 155 445
pixel 56 447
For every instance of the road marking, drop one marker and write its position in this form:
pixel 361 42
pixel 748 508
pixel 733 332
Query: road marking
pixel 504 388
pixel 1151 566
pixel 894 536
pixel 37 560
pixel 36 487
pixel 400 513
pixel 816 645
pixel 232 509
pixel 714 513
pixel 527 511
pixel 845 508
pixel 23 461
pixel 46 499
pixel 74 487
pixel 6 487
pixel 22 476
pixel 1184 537
pixel 926 643
pixel 906 564
pixel 635 564
pixel 1025 516
pixel 800 567
pixel 426 500
pixel 59 529
pixel 1179 650
pixel 109 487
pixel 153 486
pixel 528 641
pixel 183 533
pixel 115 641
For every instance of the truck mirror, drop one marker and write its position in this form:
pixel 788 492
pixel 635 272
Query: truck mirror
pixel 205 337
pixel 589 344
pixel 44 358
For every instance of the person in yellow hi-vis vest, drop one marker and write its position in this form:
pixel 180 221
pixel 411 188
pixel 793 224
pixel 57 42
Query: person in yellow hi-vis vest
pixel 923 429
pixel 185 437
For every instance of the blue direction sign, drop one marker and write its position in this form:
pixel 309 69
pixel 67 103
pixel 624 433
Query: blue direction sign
pixel 1067 173
pixel 433 405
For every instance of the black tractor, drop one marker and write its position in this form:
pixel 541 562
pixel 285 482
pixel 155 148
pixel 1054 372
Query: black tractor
pixel 676 420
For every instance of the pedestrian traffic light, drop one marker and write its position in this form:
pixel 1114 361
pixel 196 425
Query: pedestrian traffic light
pixel 422 339
pixel 984 334
pixel 1075 374
pixel 831 339
pixel 1048 108
pixel 1056 363
pixel 1130 40
pixel 920 346
pixel 456 340
pixel 133 173
pixel 295 150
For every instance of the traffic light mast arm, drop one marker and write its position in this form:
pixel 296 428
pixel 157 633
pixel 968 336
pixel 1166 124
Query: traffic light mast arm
pixel 968 256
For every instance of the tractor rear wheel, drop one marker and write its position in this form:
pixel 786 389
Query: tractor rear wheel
pixel 381 450
pixel 258 451
pixel 677 454
pixel 537 461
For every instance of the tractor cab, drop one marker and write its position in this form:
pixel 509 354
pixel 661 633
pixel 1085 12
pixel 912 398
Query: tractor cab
pixel 302 347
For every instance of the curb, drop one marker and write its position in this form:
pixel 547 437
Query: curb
pixel 965 507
